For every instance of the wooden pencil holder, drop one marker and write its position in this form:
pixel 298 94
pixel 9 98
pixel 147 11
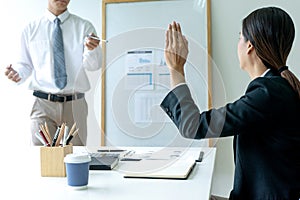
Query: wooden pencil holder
pixel 52 160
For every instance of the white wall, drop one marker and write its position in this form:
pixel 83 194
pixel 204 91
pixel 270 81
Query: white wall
pixel 226 23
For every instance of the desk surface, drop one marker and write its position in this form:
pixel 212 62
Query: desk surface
pixel 21 178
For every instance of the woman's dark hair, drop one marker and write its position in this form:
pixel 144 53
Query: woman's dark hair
pixel 271 31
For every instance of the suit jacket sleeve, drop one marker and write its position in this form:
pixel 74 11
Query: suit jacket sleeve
pixel 249 112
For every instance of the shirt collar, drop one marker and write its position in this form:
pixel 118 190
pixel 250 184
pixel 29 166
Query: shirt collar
pixel 264 74
pixel 62 16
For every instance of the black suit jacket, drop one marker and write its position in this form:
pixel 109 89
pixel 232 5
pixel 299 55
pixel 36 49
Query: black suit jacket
pixel 265 123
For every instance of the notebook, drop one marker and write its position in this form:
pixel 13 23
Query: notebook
pixel 103 161
pixel 180 169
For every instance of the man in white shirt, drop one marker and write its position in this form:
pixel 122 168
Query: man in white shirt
pixel 55 105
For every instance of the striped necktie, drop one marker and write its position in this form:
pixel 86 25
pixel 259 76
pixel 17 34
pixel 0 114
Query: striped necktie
pixel 58 56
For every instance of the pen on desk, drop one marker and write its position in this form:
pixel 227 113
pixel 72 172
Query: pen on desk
pixel 96 38
pixel 129 153
pixel 110 150
pixel 200 158
pixel 131 159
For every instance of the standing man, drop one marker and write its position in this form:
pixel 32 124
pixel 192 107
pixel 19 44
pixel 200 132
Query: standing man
pixel 55 51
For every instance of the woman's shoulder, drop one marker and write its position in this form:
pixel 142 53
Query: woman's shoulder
pixel 274 88
pixel 270 83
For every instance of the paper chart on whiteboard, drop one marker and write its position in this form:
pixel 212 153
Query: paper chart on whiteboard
pixel 148 75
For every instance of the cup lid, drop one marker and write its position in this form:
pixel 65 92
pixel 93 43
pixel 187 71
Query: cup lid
pixel 77 158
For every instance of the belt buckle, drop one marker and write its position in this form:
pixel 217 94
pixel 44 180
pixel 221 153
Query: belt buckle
pixel 56 98
pixel 51 97
pixel 59 98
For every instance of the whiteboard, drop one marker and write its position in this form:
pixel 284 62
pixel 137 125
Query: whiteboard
pixel 134 74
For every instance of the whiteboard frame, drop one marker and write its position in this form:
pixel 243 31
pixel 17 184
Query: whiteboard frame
pixel 103 74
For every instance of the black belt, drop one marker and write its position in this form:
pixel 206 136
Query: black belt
pixel 58 98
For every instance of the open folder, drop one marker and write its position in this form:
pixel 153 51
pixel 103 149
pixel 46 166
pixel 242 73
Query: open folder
pixel 179 169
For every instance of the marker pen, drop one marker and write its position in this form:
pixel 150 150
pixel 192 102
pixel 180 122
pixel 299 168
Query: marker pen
pixel 55 136
pixel 96 38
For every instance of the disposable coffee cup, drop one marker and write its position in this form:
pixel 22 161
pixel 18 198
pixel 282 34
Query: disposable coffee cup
pixel 77 169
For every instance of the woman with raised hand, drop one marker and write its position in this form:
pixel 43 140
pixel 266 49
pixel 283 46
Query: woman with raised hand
pixel 264 121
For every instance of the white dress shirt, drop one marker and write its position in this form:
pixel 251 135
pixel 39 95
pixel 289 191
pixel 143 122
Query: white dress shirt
pixel 263 74
pixel 36 55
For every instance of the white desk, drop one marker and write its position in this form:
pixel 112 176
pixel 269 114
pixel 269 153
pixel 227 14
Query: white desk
pixel 23 180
